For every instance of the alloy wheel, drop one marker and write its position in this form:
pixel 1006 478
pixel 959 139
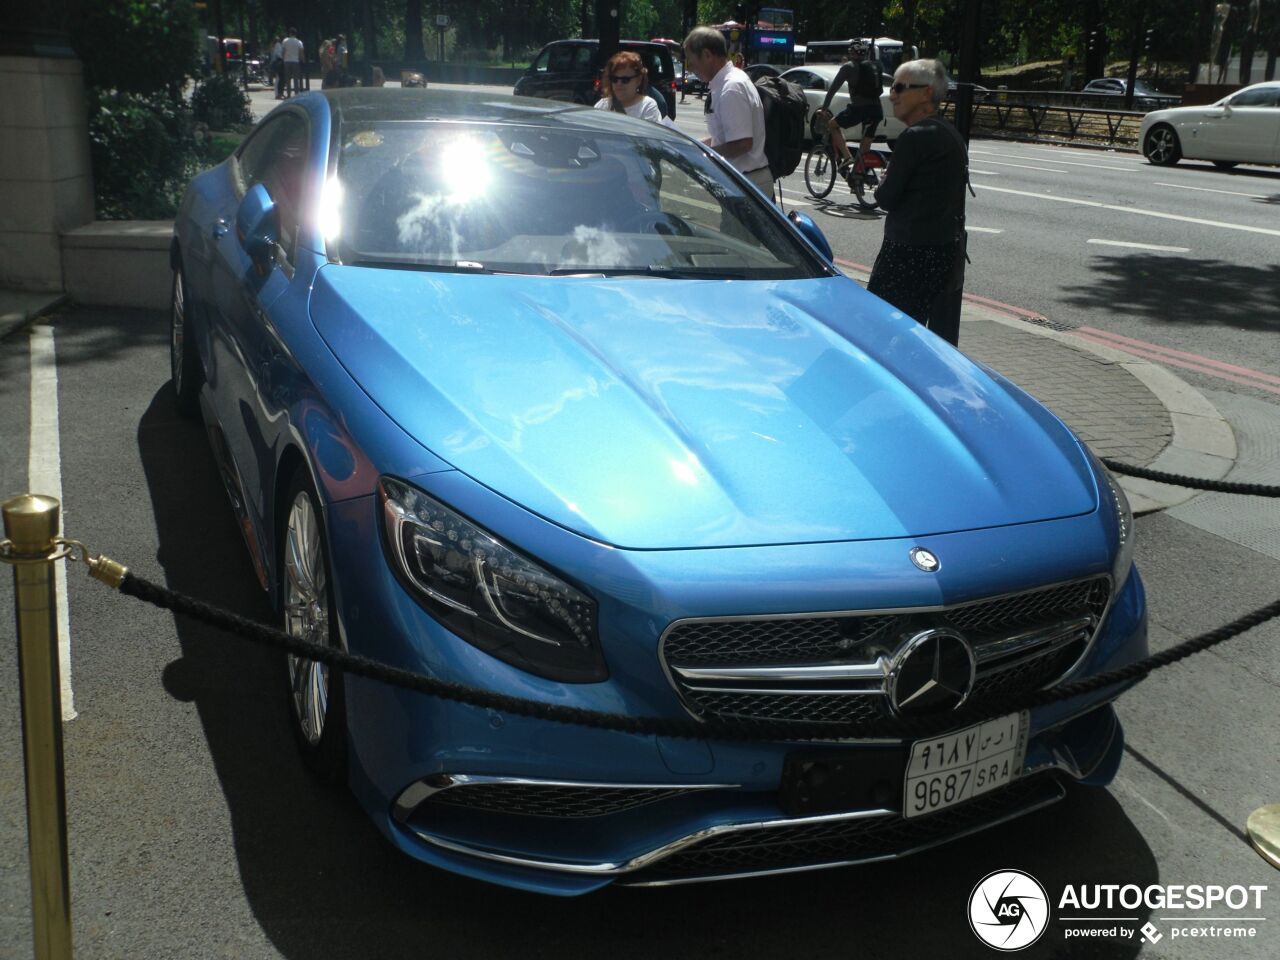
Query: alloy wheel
pixel 307 616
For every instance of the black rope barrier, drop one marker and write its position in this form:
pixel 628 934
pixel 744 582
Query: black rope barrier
pixel 1195 483
pixel 718 729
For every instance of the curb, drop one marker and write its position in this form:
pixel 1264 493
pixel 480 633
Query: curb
pixel 18 309
pixel 1203 444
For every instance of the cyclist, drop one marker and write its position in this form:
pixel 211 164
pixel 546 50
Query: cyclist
pixel 863 77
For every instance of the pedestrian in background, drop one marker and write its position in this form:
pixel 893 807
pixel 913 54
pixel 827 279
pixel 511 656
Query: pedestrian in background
pixel 292 51
pixel 735 115
pixel 922 256
pixel 277 66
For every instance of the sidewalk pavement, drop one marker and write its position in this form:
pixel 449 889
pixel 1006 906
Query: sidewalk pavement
pixel 1122 406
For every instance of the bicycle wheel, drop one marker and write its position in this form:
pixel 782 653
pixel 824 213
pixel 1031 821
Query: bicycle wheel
pixel 819 173
pixel 864 186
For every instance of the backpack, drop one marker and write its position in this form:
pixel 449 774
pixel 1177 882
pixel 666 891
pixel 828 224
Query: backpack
pixel 867 83
pixel 785 112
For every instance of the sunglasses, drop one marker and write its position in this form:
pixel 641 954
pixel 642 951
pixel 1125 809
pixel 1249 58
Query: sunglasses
pixel 899 87
pixel 613 78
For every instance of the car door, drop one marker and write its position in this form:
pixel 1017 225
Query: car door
pixel 535 80
pixel 1249 128
pixel 244 295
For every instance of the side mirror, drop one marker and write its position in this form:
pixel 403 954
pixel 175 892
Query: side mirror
pixel 809 230
pixel 258 226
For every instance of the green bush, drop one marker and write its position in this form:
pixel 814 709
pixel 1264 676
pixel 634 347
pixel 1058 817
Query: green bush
pixel 144 150
pixel 221 103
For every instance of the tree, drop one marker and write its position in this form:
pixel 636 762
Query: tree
pixel 413 31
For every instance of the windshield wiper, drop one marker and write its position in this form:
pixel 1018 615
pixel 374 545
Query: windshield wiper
pixel 653 270
pixel 462 266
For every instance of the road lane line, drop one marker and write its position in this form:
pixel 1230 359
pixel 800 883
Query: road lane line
pixel 1138 211
pixel 1185 365
pixel 1234 193
pixel 1072 163
pixel 1139 246
pixel 44 475
pixel 986 173
pixel 983 230
pixel 1194 357
pixel 1023 166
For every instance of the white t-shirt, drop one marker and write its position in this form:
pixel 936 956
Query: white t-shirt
pixel 737 113
pixel 644 108
pixel 292 47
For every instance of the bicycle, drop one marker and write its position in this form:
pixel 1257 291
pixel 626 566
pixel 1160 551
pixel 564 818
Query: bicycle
pixel 821 165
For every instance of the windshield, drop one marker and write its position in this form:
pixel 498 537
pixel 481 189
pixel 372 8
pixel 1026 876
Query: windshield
pixel 532 199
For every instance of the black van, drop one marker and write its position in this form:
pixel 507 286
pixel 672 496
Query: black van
pixel 570 70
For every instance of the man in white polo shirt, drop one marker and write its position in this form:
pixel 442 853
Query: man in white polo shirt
pixel 293 53
pixel 735 115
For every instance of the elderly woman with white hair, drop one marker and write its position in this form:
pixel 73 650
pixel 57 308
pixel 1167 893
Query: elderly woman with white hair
pixel 922 256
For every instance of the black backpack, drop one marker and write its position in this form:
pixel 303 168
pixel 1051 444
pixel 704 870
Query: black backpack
pixel 785 112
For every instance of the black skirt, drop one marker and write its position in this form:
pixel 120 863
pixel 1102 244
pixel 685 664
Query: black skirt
pixel 910 276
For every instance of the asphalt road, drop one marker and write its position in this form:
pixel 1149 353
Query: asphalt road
pixel 195 831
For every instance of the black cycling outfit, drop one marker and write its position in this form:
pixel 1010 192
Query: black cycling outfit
pixel 863 108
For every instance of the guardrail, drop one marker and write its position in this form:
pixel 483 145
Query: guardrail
pixel 1003 113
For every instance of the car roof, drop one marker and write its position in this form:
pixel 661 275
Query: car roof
pixel 357 105
pixel 827 70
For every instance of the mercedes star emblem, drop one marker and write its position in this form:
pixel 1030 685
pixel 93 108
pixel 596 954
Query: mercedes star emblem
pixel 925 559
pixel 932 672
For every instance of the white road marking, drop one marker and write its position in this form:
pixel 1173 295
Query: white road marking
pixel 1071 163
pixel 1116 157
pixel 1134 210
pixel 795 198
pixel 985 173
pixel 44 475
pixel 1023 166
pixel 1137 246
pixel 984 230
pixel 1234 193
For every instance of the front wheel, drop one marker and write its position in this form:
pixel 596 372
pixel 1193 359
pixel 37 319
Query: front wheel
pixel 316 691
pixel 819 173
pixel 1161 146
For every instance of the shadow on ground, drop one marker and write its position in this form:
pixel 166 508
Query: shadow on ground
pixel 321 882
pixel 1176 290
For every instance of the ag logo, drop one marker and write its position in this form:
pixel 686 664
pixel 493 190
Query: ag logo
pixel 1008 910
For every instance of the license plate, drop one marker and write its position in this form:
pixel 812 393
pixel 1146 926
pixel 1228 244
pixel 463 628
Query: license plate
pixel 951 769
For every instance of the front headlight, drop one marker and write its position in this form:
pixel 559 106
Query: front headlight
pixel 486 592
pixel 1123 562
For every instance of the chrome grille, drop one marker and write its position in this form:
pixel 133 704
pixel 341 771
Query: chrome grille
pixel 549 800
pixel 815 844
pixel 992 626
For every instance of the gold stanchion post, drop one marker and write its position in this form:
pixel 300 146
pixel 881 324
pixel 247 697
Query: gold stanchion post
pixel 1264 832
pixel 31 524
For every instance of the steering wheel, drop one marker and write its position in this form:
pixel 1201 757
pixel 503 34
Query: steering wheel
pixel 661 222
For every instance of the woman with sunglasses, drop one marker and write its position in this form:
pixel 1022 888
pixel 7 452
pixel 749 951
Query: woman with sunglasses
pixel 624 86
pixel 920 267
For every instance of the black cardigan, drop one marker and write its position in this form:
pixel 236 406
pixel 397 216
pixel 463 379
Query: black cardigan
pixel 923 189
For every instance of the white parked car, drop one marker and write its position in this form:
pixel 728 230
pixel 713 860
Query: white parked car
pixel 1241 128
pixel 816 78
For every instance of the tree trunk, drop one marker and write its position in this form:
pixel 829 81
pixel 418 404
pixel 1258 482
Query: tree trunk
pixel 1095 57
pixel 608 21
pixel 413 51
pixel 370 30
pixel 1135 50
pixel 908 27
pixel 1197 53
pixel 585 12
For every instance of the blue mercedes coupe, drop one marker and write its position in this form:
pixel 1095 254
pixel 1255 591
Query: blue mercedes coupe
pixel 550 402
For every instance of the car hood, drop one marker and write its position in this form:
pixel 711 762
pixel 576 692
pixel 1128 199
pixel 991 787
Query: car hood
pixel 659 413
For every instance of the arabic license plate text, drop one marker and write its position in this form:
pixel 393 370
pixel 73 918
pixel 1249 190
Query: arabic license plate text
pixel 959 766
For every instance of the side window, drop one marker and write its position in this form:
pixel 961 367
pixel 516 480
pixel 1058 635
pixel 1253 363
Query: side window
pixel 1262 97
pixel 560 59
pixel 582 57
pixel 541 64
pixel 276 157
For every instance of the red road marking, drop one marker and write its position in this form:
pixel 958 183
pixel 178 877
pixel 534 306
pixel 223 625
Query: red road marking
pixel 1169 351
pixel 1157 354
pixel 1150 351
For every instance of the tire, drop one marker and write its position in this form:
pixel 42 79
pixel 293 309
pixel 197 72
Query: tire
pixel 184 365
pixel 1225 164
pixel 317 698
pixel 864 190
pixel 1161 147
pixel 819 173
